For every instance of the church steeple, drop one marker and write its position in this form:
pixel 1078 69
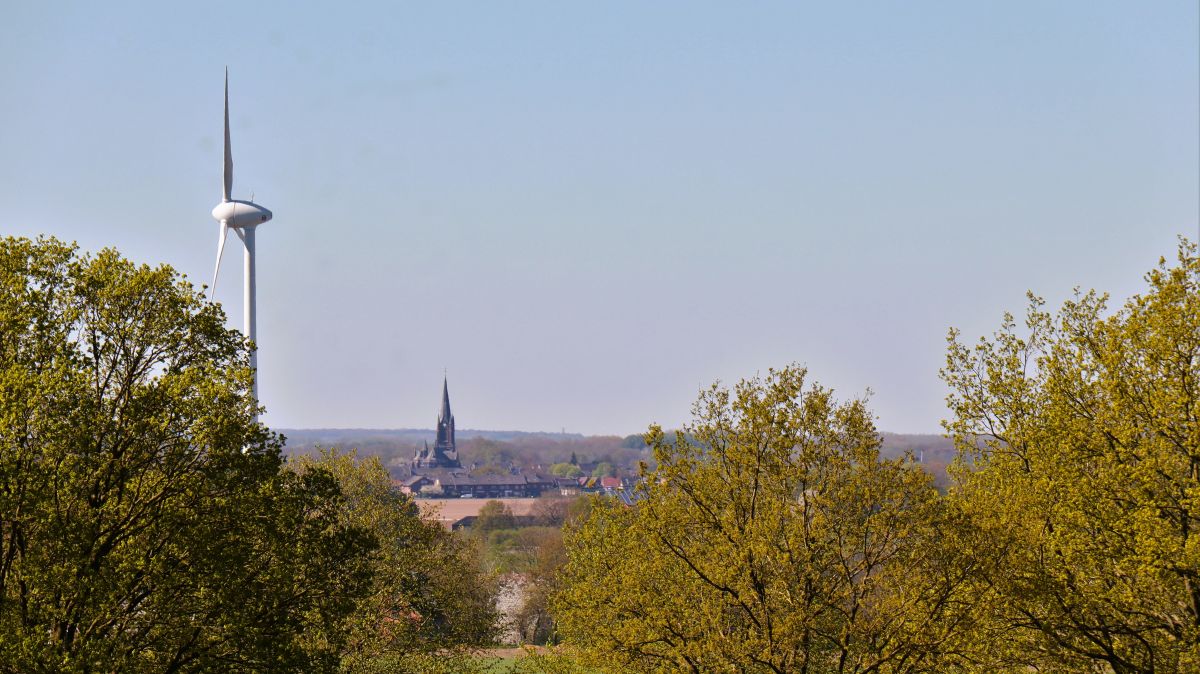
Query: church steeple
pixel 445 415
pixel 444 453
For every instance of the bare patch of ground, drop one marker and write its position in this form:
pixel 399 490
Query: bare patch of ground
pixel 450 510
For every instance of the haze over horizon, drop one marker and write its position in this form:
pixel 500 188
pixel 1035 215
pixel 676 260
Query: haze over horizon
pixel 586 214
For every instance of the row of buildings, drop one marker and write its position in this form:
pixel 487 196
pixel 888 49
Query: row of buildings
pixel 523 485
pixel 437 471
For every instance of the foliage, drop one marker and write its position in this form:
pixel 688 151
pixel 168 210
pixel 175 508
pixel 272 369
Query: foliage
pixel 533 620
pixel 558 660
pixel 517 550
pixel 145 524
pixel 771 537
pixel 446 662
pixel 634 441
pixel 565 470
pixel 531 555
pixel 578 509
pixel 490 469
pixel 485 450
pixel 1080 443
pixel 485 453
pixel 604 469
pixel 493 515
pixel 549 511
pixel 428 594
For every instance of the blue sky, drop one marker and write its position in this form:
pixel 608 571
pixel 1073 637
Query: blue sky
pixel 586 212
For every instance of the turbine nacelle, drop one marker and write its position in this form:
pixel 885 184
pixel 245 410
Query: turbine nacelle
pixel 239 214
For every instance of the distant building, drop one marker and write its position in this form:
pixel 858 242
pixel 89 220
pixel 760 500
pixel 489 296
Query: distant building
pixel 444 453
pixel 457 485
pixel 567 486
pixel 611 484
pixel 437 470
pixel 412 485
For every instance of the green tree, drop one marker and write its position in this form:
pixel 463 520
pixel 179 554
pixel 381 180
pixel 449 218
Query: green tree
pixel 565 470
pixel 516 550
pixel 771 537
pixel 604 469
pixel 1080 462
pixel 489 469
pixel 492 516
pixel 428 593
pixel 533 619
pixel 145 524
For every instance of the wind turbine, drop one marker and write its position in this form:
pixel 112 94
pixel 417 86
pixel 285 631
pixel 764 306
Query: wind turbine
pixel 243 217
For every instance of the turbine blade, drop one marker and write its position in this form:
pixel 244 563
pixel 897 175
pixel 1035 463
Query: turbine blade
pixel 228 184
pixel 212 291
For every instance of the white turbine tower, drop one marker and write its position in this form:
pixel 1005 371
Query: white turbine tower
pixel 243 217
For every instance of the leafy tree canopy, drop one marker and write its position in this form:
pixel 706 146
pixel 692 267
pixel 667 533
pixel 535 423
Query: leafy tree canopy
pixel 494 515
pixel 604 469
pixel 145 524
pixel 565 470
pixel 428 594
pixel 772 537
pixel 1080 442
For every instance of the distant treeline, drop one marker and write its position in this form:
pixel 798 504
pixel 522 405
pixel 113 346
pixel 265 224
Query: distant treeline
pixel 480 448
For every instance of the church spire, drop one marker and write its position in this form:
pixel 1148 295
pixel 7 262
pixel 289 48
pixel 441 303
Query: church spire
pixel 445 414
pixel 444 453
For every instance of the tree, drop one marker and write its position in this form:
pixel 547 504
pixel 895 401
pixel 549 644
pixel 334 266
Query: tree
pixel 145 524
pixel 565 470
pixel 604 469
pixel 636 441
pixel 516 550
pixel 771 537
pixel 489 469
pixel 492 516
pixel 428 593
pixel 533 619
pixel 548 511
pixel 1080 446
pixel 483 452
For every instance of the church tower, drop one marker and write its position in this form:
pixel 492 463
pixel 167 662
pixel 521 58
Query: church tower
pixel 443 454
pixel 444 446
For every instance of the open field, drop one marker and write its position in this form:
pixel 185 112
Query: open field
pixel 448 510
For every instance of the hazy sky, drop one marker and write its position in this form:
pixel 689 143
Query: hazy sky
pixel 585 213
